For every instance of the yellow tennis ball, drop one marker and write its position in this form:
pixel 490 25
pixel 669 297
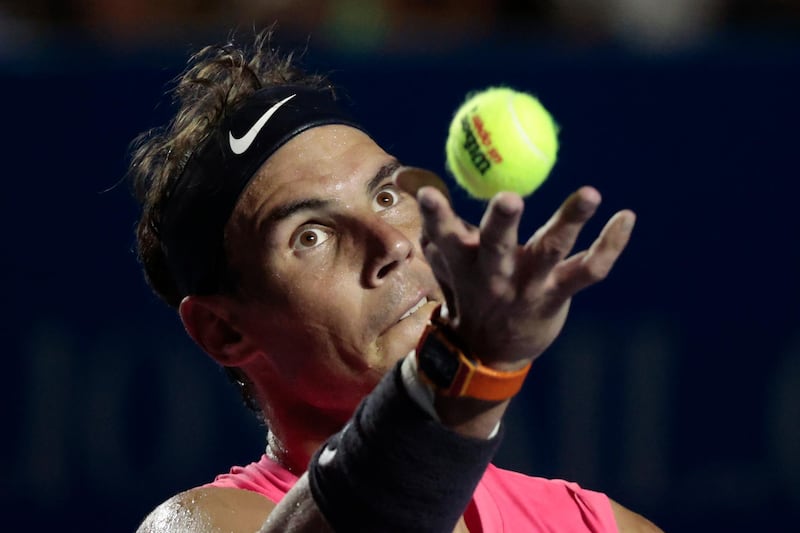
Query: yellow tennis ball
pixel 501 140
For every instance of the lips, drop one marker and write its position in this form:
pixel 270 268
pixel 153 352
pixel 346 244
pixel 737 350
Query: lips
pixel 416 307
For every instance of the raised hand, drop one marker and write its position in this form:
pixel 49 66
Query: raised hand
pixel 506 301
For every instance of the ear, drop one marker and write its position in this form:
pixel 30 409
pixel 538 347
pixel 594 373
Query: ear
pixel 209 321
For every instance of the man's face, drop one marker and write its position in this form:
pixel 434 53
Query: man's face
pixel 330 266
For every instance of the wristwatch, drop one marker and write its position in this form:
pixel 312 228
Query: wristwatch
pixel 453 372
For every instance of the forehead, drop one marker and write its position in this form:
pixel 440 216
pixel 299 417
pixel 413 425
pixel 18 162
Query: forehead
pixel 326 161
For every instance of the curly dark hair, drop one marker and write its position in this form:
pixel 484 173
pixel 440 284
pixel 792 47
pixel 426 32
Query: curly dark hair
pixel 216 80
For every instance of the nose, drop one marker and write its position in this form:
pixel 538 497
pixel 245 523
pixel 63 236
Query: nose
pixel 388 249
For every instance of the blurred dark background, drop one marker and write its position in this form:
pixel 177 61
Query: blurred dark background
pixel 675 386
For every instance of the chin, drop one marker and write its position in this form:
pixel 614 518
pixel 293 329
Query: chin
pixel 404 336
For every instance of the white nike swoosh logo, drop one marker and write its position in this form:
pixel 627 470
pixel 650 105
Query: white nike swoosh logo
pixel 326 456
pixel 240 145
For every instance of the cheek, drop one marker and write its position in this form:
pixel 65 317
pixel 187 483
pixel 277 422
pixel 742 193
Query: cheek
pixel 407 217
pixel 324 308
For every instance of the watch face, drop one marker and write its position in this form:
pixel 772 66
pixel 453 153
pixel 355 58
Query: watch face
pixel 437 362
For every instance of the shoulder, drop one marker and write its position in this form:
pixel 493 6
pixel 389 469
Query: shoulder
pixel 209 509
pixel 630 522
pixel 560 503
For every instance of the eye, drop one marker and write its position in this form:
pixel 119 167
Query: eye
pixel 309 237
pixel 385 198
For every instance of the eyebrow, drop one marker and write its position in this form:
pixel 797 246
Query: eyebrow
pixel 384 172
pixel 285 211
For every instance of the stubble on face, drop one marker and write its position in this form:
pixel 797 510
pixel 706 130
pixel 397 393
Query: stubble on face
pixel 311 310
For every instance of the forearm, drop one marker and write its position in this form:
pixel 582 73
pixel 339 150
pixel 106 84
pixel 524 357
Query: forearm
pixel 393 467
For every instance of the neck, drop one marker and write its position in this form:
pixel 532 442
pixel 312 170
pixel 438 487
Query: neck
pixel 297 430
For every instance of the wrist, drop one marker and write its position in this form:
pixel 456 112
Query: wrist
pixel 466 416
pixel 469 417
pixel 453 371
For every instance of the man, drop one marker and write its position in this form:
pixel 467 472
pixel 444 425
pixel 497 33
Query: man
pixel 380 336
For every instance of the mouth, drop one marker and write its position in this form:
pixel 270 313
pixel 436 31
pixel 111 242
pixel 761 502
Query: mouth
pixel 417 306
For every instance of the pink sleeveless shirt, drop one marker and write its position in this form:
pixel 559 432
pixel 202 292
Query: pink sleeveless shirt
pixel 503 501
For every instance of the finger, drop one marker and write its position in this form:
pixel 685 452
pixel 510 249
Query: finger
pixel 499 231
pixel 441 270
pixel 594 264
pixel 412 179
pixel 441 225
pixel 553 241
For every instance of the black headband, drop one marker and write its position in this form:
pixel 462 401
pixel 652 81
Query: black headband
pixel 199 206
